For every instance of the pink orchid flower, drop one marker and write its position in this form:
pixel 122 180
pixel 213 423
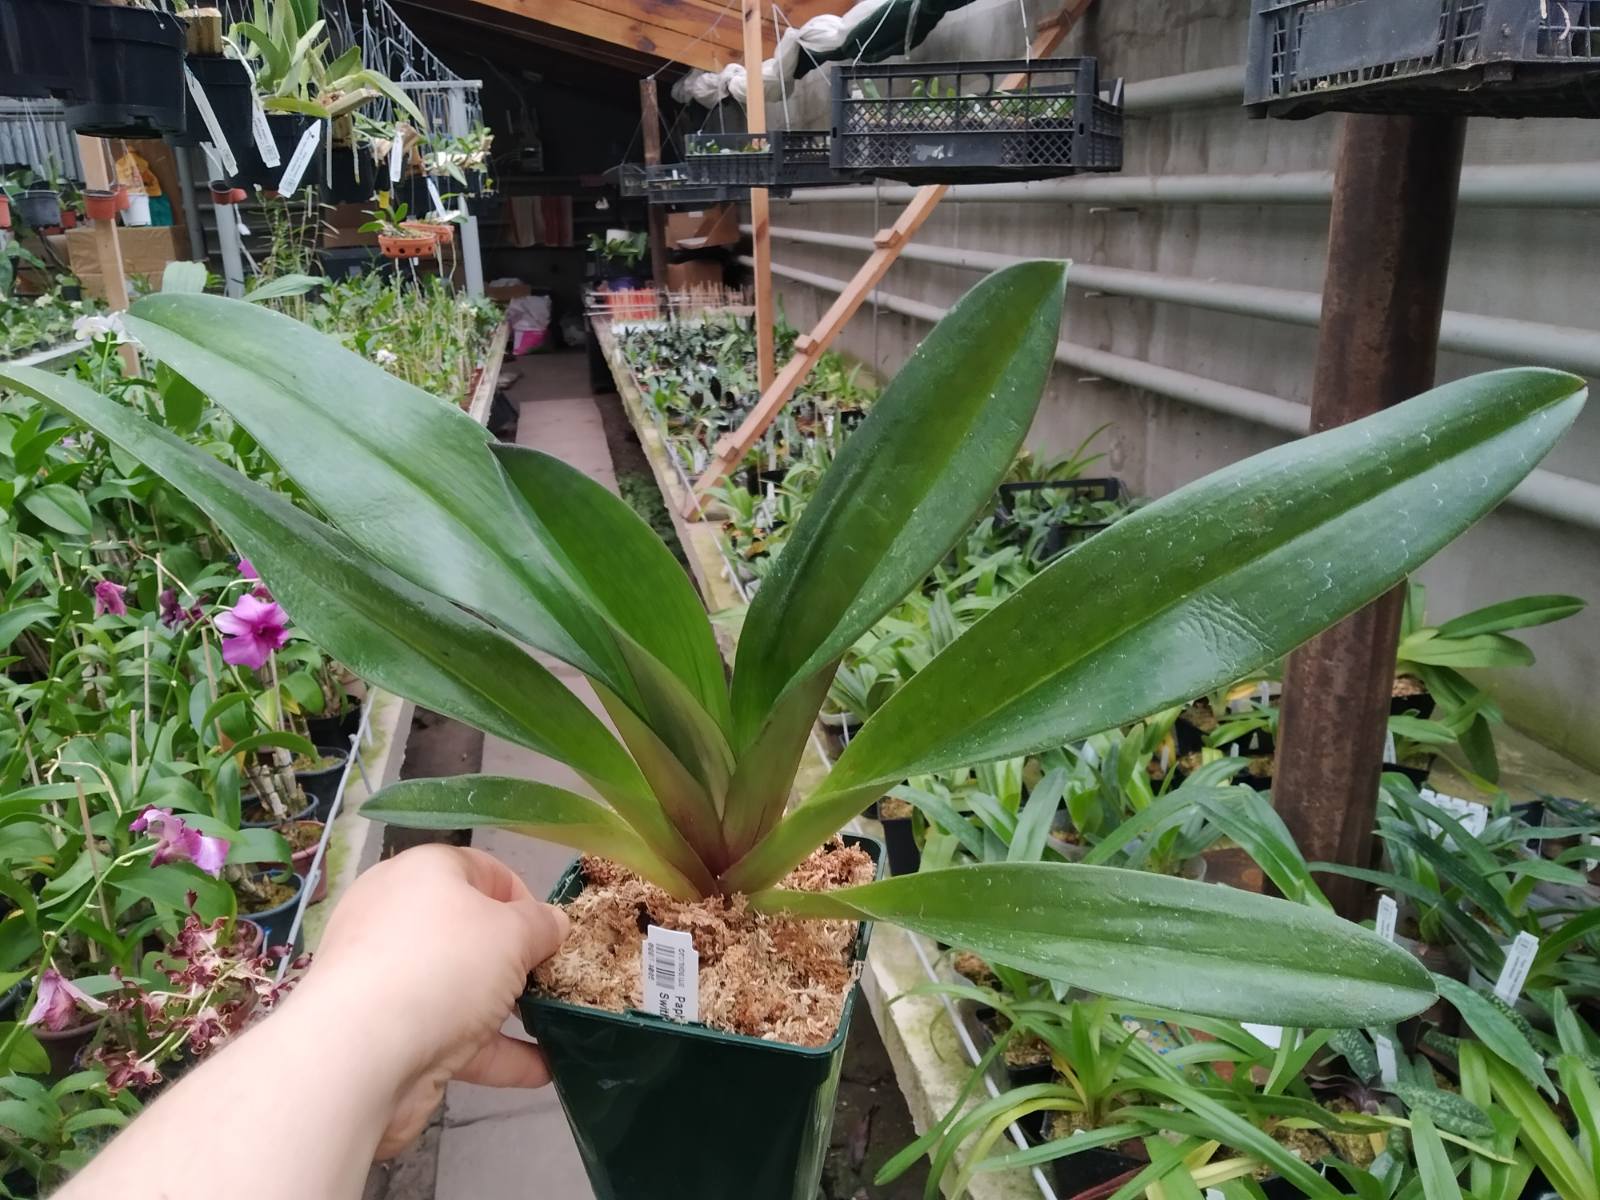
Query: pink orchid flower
pixel 248 570
pixel 179 842
pixel 254 629
pixel 59 1002
pixel 108 599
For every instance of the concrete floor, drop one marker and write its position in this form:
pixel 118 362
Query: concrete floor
pixel 505 1145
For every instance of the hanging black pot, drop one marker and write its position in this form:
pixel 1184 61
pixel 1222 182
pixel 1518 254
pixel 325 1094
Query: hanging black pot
pixel 352 179
pixel 40 208
pixel 226 84
pixel 287 130
pixel 44 48
pixel 136 87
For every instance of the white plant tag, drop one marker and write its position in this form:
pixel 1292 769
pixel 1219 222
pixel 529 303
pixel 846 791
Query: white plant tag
pixel 1272 1035
pixel 300 160
pixel 1519 961
pixel 438 200
pixel 1388 1069
pixel 1388 913
pixel 218 139
pixel 397 154
pixel 265 146
pixel 1388 748
pixel 827 426
pixel 671 974
pixel 1473 817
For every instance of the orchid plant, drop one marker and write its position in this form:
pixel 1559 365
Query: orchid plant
pixel 443 554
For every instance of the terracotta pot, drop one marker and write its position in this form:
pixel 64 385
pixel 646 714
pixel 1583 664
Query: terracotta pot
pixel 441 231
pixel 395 245
pixel 69 219
pixel 5 211
pixel 223 193
pixel 103 204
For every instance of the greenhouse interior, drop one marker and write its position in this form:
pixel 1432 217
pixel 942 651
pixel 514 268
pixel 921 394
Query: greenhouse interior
pixel 492 498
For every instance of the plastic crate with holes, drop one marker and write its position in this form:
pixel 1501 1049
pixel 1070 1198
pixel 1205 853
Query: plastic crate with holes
pixel 953 122
pixel 780 158
pixel 1495 58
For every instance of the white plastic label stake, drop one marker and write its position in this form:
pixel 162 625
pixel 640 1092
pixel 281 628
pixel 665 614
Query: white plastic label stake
pixel 397 154
pixel 1388 1069
pixel 219 140
pixel 1388 913
pixel 1388 748
pixel 300 159
pixel 1519 961
pixel 1272 1035
pixel 265 146
pixel 1474 818
pixel 671 974
pixel 435 198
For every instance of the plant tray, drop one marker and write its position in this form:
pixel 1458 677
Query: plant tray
pixel 1495 58
pixel 782 158
pixel 1062 535
pixel 950 122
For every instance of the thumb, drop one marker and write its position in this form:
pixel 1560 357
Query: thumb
pixel 539 929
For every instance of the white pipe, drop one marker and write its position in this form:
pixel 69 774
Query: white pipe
pixel 1221 85
pixel 1541 185
pixel 1502 338
pixel 1562 497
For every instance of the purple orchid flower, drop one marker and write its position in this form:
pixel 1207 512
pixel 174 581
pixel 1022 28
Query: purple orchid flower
pixel 59 1002
pixel 254 629
pixel 108 599
pixel 248 570
pixel 179 842
pixel 173 614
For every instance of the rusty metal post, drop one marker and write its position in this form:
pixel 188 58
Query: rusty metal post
pixel 1394 206
pixel 655 216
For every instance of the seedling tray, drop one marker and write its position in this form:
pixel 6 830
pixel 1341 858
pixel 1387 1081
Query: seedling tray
pixel 950 122
pixel 672 184
pixel 782 158
pixel 1063 534
pixel 1495 58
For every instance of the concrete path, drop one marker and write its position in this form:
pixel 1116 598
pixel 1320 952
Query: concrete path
pixel 512 1145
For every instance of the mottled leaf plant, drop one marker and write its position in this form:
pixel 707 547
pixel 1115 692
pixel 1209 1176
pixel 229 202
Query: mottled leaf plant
pixel 443 553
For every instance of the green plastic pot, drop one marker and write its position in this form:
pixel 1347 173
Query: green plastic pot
pixel 666 1111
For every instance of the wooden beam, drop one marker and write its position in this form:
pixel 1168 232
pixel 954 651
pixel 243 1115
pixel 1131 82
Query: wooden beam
pixel 96 157
pixel 731 449
pixel 655 215
pixel 669 29
pixel 755 118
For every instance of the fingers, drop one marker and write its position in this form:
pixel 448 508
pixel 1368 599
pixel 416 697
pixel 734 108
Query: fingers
pixel 489 875
pixel 508 1062
pixel 539 929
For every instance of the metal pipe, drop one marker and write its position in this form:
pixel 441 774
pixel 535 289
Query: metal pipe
pixel 1221 85
pixel 1561 497
pixel 1542 185
pixel 1502 338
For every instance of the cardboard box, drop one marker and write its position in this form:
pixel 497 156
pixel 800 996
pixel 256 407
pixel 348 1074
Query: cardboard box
pixel 703 227
pixel 145 252
pixel 699 272
pixel 504 293
pixel 341 226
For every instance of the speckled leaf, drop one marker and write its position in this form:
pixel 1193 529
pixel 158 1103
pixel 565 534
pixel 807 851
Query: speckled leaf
pixel 1199 948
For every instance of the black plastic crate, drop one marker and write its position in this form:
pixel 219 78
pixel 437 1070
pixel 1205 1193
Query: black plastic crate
pixel 781 158
pixel 950 122
pixel 1495 58
pixel 1061 535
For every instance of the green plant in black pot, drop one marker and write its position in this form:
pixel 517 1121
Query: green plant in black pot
pixel 443 553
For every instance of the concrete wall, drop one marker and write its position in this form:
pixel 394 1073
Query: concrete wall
pixel 1533 264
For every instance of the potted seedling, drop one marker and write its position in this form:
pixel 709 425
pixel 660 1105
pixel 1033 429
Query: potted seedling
pixel 617 254
pixel 429 597
pixel 103 204
pixel 395 238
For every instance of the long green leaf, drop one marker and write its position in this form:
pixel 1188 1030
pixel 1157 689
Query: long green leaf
pixel 537 809
pixel 1246 817
pixel 1234 571
pixel 390 631
pixel 1513 614
pixel 1190 946
pixel 1433 1162
pixel 905 485
pixel 1542 1134
pixel 59 507
pixel 1497 1031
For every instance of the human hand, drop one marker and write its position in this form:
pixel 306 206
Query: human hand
pixel 429 951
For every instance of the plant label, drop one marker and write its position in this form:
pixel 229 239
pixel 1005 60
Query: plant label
pixel 1388 1068
pixel 1519 961
pixel 1389 751
pixel 1474 818
pixel 219 140
pixel 397 154
pixel 262 131
pixel 300 160
pixel 671 974
pixel 1272 1035
pixel 435 199
pixel 1388 913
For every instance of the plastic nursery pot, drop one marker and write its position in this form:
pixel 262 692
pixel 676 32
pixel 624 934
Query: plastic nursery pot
pixel 5 211
pixel 62 1046
pixel 1417 774
pixel 308 813
pixel 1091 1171
pixel 395 245
pixel 44 48
pixel 136 213
pixel 300 861
pixel 440 231
pixel 102 204
pixel 39 207
pixel 626 1081
pixel 225 194
pixel 226 84
pixel 276 921
pixel 351 177
pixel 287 130
pixel 322 784
pixel 136 86
pixel 335 730
pixel 900 840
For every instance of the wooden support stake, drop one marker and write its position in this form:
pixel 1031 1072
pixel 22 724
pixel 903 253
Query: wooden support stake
pixel 655 215
pixel 97 174
pixel 755 116
pixel 889 242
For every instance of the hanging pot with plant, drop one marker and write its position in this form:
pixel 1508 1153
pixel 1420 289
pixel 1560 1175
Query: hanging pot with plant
pixel 44 48
pixel 39 208
pixel 442 232
pixel 226 84
pixel 435 599
pixel 225 194
pixel 136 87
pixel 103 204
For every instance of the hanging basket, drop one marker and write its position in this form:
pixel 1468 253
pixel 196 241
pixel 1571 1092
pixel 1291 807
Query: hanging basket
pixel 103 204
pixel 39 208
pixel 351 178
pixel 395 245
pixel 136 87
pixel 225 194
pixel 44 48
pixel 287 130
pixel 440 231
pixel 226 84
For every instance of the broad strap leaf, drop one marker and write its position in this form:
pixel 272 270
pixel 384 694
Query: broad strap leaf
pixel 537 809
pixel 1201 587
pixel 1214 951
pixel 905 486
